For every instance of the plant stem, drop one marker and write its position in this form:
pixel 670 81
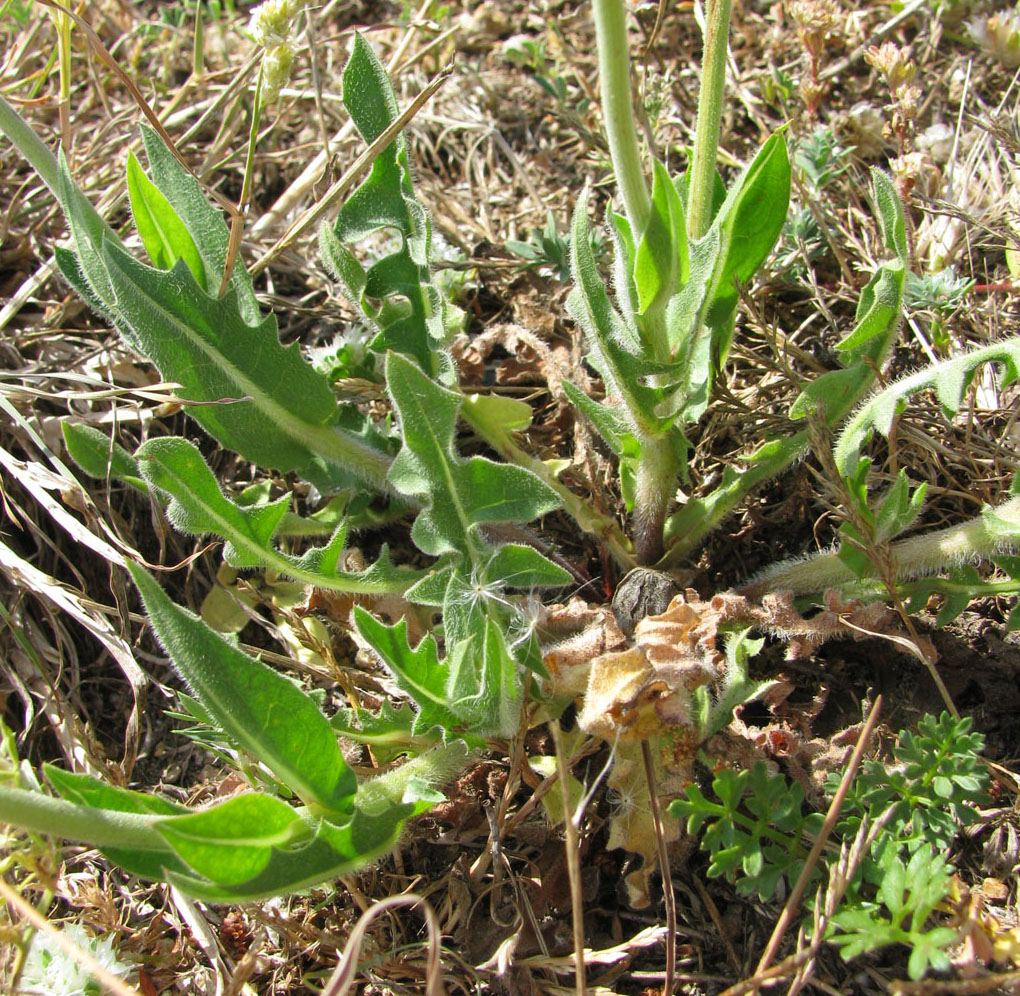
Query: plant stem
pixel 710 106
pixel 968 541
pixel 618 111
pixel 653 492
pixel 45 814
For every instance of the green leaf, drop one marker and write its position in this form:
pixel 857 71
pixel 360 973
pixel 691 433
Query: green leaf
pixel 205 224
pixel 418 672
pixel 949 378
pixel 164 235
pixel 879 306
pixel 382 806
pixel 459 495
pixel 232 842
pixel 617 351
pixel 86 790
pixel 900 507
pixel 100 797
pixel 332 852
pixel 520 566
pixel 710 712
pixel 890 214
pixel 386 199
pixel 99 455
pixel 386 733
pixel 263 400
pixel 258 709
pixel 749 222
pixel 174 467
pixel 660 260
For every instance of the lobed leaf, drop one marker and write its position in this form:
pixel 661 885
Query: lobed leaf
pixel 175 468
pixel 459 495
pixel 950 379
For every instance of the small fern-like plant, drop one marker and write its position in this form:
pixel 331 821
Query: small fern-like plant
pixel 757 833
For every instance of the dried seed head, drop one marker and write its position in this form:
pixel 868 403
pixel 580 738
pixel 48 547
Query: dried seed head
pixel 893 62
pixel 276 71
pixel 999 36
pixel 271 22
pixel 817 21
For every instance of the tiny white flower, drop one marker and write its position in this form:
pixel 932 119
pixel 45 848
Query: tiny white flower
pixel 276 71
pixel 271 22
pixel 50 970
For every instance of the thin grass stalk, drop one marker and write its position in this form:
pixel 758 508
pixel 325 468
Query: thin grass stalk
pixel 346 971
pixel 572 843
pixel 831 816
pixel 667 880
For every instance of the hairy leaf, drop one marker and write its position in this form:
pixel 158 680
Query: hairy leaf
pixel 99 455
pixel 175 468
pixel 258 709
pixel 234 841
pixel 949 379
pixel 164 235
pixel 459 495
pixel 386 199
pixel 265 401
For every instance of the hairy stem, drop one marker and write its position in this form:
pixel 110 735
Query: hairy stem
pixel 618 111
pixel 653 492
pixel 710 106
pixel 968 541
pixel 45 814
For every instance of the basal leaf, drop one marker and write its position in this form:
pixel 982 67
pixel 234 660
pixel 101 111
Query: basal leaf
pixel 99 797
pixel 87 790
pixel 258 709
pixel 520 566
pixel 175 468
pixel 418 672
pixel 459 495
pixel 386 199
pixel 749 222
pixel 382 807
pixel 660 259
pixel 204 223
pixel 99 455
pixel 949 379
pixel 233 842
pixel 386 733
pixel 264 401
pixel 164 235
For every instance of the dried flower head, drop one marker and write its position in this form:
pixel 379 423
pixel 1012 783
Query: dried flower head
pixel 271 22
pixel 817 22
pixel 999 36
pixel 276 71
pixel 893 62
pixel 50 969
pixel 271 25
pixel 864 129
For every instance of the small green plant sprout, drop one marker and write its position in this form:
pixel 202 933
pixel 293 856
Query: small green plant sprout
pixel 939 296
pixel 757 830
pixel 821 158
pixel 548 252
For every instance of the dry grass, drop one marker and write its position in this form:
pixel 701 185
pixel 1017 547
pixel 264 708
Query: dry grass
pixel 82 685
